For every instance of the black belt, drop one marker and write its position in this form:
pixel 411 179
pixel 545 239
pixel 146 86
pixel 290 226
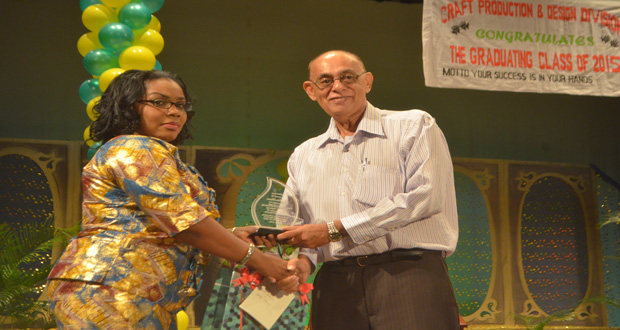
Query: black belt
pixel 389 256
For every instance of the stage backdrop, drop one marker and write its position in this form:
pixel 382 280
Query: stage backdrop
pixel 529 243
pixel 544 46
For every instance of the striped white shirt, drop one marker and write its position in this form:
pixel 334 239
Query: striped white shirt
pixel 391 184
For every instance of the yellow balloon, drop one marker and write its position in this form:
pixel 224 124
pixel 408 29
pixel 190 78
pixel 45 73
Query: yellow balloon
pixel 107 76
pixel 87 42
pixel 282 170
pixel 137 57
pixel 90 111
pixel 115 3
pixel 150 39
pixel 154 24
pixel 96 16
pixel 87 139
pixel 182 321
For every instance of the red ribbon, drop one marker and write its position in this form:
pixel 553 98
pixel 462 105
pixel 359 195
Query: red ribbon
pixel 304 289
pixel 253 279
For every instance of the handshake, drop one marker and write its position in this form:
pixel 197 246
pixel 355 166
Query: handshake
pixel 297 269
pixel 289 274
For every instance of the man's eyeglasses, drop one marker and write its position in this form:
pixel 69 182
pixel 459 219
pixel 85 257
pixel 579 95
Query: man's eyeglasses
pixel 347 78
pixel 167 104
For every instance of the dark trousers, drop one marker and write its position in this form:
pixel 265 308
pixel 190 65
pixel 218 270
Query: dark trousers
pixel 409 293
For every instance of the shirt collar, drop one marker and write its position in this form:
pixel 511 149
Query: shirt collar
pixel 370 123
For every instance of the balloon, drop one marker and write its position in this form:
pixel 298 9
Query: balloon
pixel 90 111
pixel 182 320
pixel 150 39
pixel 282 170
pixel 87 42
pixel 155 24
pixel 95 17
pixel 87 139
pixel 106 77
pixel 92 150
pixel 85 3
pixel 115 3
pixel 116 36
pixel 135 15
pixel 89 89
pixel 137 57
pixel 157 66
pixel 98 60
pixel 154 5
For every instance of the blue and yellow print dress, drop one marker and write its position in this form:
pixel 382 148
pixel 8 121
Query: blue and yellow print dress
pixel 137 195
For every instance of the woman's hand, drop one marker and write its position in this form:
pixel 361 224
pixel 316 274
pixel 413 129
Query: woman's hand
pixel 268 241
pixel 208 235
pixel 245 233
pixel 271 266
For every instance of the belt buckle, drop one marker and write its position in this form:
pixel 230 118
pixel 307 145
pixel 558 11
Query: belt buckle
pixel 361 258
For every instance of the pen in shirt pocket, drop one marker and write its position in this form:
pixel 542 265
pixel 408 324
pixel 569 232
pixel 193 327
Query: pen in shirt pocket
pixel 364 163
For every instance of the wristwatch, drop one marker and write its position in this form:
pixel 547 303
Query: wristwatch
pixel 333 234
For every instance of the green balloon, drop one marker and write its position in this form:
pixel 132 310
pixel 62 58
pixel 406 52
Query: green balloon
pixel 116 36
pixel 89 89
pixel 85 3
pixel 92 150
pixel 154 5
pixel 99 60
pixel 135 15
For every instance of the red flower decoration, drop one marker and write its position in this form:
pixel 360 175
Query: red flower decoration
pixel 304 289
pixel 253 279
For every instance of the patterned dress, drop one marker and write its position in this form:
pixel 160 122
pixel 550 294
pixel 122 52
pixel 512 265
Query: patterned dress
pixel 124 269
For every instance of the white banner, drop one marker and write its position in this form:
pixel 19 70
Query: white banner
pixel 543 46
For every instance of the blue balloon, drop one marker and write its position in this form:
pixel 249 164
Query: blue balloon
pixel 85 3
pixel 99 60
pixel 135 15
pixel 116 36
pixel 89 89
pixel 154 5
pixel 157 66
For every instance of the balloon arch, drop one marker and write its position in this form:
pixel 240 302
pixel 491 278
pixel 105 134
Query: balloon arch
pixel 123 35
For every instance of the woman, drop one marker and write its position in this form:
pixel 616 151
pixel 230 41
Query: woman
pixel 146 216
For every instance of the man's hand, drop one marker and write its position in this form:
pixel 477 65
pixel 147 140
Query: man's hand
pixel 307 236
pixel 301 272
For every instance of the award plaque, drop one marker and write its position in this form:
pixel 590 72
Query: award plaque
pixel 276 206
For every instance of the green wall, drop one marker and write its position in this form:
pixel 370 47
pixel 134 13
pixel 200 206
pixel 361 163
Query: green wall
pixel 245 60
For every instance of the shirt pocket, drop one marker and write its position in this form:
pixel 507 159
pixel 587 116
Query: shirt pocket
pixel 375 183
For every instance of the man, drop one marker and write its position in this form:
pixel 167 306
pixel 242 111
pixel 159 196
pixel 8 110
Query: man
pixel 376 192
